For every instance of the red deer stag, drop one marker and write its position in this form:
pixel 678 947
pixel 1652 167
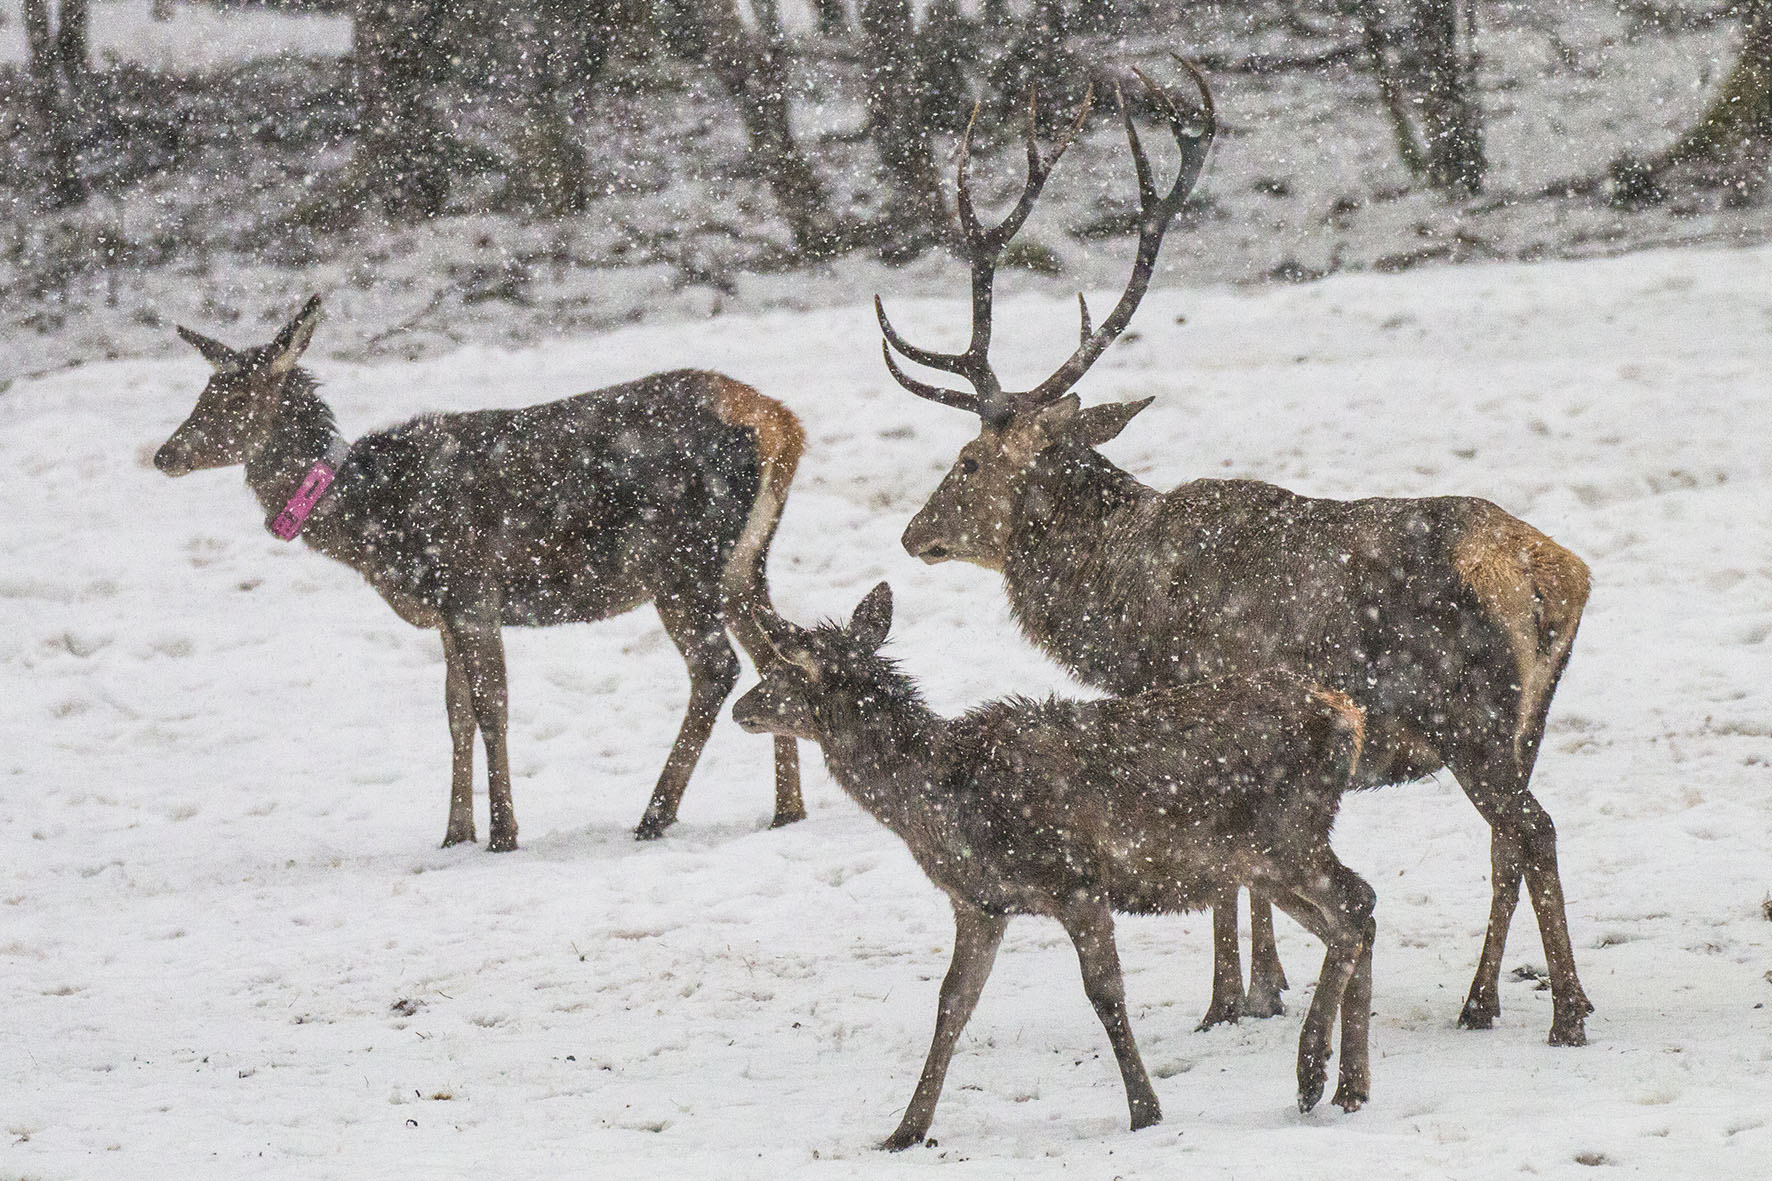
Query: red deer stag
pixel 1446 619
pixel 1149 804
pixel 665 489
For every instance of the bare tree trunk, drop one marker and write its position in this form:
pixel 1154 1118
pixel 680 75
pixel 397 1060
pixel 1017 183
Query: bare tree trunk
pixel 753 69
pixel 1426 72
pixel 400 142
pixel 564 44
pixel 833 18
pixel 58 81
pixel 1734 132
pixel 915 214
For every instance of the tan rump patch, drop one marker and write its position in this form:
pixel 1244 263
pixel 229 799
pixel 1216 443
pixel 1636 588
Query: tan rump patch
pixel 780 437
pixel 1352 716
pixel 1535 591
pixel 780 441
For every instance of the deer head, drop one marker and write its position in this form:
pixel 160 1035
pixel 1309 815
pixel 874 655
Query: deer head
pixel 239 403
pixel 968 515
pixel 809 664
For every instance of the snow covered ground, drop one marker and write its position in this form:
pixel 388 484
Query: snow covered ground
pixel 195 39
pixel 229 945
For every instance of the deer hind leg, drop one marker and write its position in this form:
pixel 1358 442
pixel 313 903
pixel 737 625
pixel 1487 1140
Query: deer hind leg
pixel 1091 928
pixel 1483 1005
pixel 482 650
pixel 1337 907
pixel 700 636
pixel 1227 966
pixel 462 728
pixel 1267 978
pixel 1524 846
pixel 977 936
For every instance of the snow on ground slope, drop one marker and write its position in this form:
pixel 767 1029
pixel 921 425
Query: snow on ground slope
pixel 230 945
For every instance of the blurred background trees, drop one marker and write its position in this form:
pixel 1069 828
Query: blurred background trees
pixel 846 111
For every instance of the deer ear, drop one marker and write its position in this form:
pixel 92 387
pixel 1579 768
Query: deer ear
pixel 873 618
pixel 1098 424
pixel 287 349
pixel 220 357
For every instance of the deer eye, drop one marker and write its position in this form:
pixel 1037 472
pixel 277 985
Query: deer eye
pixel 968 466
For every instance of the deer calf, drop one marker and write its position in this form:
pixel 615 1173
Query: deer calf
pixel 665 489
pixel 1156 803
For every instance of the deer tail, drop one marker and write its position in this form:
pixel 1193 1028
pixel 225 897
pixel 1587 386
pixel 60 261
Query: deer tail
pixel 779 440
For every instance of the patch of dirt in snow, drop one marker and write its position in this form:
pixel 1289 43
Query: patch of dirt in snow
pixel 231 946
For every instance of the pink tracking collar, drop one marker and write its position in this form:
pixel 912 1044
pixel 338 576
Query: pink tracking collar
pixel 287 524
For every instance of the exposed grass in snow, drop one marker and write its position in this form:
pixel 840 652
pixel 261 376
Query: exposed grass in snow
pixel 230 946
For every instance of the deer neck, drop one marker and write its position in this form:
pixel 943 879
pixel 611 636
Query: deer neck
pixel 1059 540
pixel 883 749
pixel 299 436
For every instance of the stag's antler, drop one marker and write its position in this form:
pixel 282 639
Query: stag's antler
pixel 984 248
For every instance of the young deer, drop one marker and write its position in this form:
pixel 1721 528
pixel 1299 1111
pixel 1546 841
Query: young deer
pixel 1448 620
pixel 665 489
pixel 1144 805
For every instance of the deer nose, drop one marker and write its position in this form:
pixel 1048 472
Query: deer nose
pixel 919 544
pixel 171 459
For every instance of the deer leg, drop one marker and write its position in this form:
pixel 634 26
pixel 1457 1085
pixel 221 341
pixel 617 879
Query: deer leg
pixel 1354 1080
pixel 1227 966
pixel 482 650
pixel 1091 928
pixel 1267 979
pixel 713 670
pixel 1323 911
pixel 461 733
pixel 1483 1005
pixel 977 936
pixel 1524 828
pixel 789 807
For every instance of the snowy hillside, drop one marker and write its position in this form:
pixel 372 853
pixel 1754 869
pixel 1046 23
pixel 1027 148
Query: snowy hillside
pixel 230 946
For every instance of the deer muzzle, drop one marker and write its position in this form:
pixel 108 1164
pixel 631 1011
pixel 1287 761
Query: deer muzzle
pixel 174 457
pixel 921 542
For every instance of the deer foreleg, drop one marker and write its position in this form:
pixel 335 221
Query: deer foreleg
pixel 1227 964
pixel 482 651
pixel 1267 979
pixel 789 807
pixel 977 936
pixel 461 733
pixel 1091 928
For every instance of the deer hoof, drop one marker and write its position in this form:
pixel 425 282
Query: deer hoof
pixel 1226 1013
pixel 1146 1114
pixel 783 819
pixel 651 828
pixel 1568 1032
pixel 1478 1014
pixel 901 1140
pixel 1263 1000
pixel 502 842
pixel 452 837
pixel 1350 1099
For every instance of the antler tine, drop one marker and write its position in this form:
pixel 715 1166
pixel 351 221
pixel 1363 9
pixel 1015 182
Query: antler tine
pixel 1039 168
pixel 935 393
pixel 947 362
pixel 983 248
pixel 969 224
pixel 1155 215
pixel 1083 312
